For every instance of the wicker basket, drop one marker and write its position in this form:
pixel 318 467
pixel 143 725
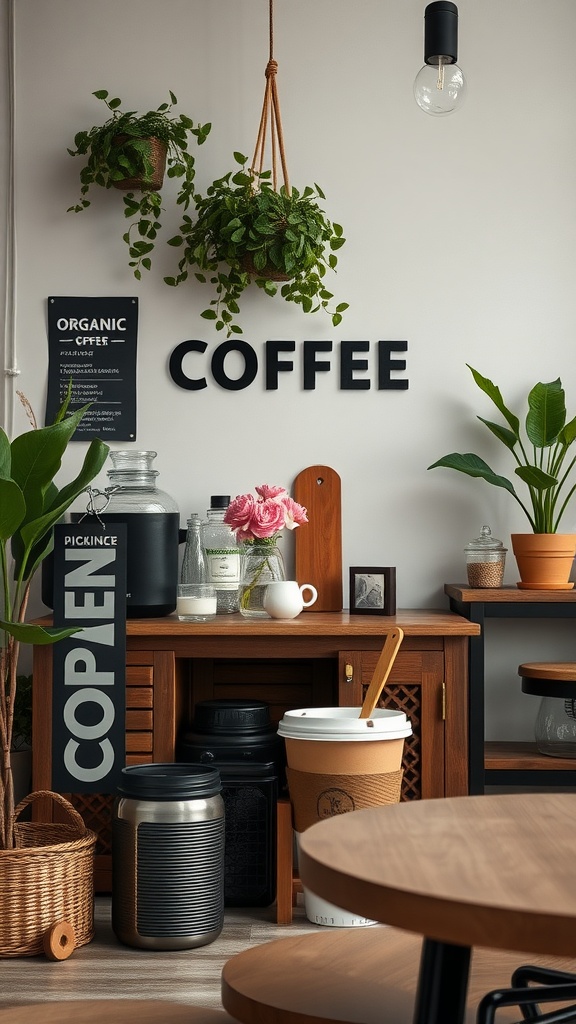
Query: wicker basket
pixel 48 878
pixel 270 272
pixel 157 155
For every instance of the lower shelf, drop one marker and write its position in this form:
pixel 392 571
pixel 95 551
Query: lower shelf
pixel 525 756
pixel 521 764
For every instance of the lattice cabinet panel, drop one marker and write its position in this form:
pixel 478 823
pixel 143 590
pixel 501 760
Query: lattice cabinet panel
pixel 415 686
pixel 407 699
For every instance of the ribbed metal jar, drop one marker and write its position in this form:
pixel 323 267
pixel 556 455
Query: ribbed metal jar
pixel 168 856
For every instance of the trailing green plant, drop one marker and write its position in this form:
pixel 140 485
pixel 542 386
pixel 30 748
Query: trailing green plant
pixel 30 505
pixel 541 458
pixel 244 230
pixel 121 149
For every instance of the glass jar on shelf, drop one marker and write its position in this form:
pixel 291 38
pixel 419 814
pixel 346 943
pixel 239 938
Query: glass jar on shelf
pixel 485 560
pixel 153 524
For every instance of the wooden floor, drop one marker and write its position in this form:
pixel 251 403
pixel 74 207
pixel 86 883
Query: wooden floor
pixel 105 969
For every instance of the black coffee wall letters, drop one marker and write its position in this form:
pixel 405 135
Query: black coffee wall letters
pixel 354 370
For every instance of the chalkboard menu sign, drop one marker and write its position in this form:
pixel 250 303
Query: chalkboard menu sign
pixel 92 343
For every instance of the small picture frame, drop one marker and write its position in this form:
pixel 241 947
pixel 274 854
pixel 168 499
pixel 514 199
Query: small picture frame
pixel 372 590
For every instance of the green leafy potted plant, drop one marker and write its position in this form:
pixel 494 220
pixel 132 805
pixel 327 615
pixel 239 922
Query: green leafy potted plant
pixel 129 151
pixel 244 231
pixel 542 464
pixel 30 505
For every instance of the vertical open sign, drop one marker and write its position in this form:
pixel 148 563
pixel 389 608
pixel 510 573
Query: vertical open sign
pixel 89 681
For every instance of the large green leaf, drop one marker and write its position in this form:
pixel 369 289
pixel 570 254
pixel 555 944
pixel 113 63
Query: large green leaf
pixel 43 547
pixel 546 413
pixel 472 465
pixel 37 457
pixel 28 633
pixel 5 456
pixel 12 508
pixel 567 435
pixel 508 437
pixel 494 394
pixel 32 532
pixel 535 477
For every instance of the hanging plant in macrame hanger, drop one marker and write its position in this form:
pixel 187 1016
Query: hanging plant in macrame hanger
pixel 247 229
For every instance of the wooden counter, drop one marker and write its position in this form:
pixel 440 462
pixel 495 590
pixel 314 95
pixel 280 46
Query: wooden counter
pixel 320 659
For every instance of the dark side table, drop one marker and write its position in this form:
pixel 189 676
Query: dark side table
pixel 507 763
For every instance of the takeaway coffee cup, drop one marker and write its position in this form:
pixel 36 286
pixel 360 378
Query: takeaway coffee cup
pixel 284 599
pixel 339 762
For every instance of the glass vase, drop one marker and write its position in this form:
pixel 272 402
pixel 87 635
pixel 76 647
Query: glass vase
pixel 262 563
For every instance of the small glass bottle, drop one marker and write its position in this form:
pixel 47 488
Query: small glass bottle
pixel 222 552
pixel 193 568
pixel 485 559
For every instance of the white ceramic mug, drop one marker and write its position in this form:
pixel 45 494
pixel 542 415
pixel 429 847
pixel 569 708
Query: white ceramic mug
pixel 284 598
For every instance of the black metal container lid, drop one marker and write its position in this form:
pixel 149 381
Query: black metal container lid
pixel 170 782
pixel 243 717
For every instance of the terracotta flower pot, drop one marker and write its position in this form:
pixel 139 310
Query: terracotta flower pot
pixel 544 560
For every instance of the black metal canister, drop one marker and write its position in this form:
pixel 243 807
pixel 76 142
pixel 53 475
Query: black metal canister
pixel 237 737
pixel 168 856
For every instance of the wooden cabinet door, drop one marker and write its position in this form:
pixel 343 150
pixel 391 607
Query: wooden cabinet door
pixel 415 686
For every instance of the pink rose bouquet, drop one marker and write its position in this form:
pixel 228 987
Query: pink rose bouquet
pixel 262 518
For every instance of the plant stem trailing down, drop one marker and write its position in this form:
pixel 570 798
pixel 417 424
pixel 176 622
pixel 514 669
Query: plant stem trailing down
pixel 120 149
pixel 541 458
pixel 30 505
pixel 244 230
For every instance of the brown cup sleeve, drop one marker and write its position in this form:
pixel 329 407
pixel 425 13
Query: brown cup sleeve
pixel 315 797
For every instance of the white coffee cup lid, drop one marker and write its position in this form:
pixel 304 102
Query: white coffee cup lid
pixel 343 724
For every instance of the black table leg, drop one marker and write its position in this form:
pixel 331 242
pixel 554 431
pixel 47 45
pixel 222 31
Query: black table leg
pixel 442 983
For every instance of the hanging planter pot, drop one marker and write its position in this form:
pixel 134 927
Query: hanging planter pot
pixel 249 228
pixel 130 152
pixel 269 271
pixel 154 153
pixel 544 560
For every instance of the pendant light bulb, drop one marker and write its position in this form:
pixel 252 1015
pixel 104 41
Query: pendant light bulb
pixel 440 86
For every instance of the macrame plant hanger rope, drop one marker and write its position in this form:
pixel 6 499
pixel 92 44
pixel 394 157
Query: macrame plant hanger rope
pixel 271 117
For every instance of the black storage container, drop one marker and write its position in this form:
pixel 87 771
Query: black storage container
pixel 238 738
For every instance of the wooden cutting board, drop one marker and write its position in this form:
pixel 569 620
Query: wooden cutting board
pixel 318 544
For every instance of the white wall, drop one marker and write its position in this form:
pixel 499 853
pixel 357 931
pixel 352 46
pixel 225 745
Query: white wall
pixel 461 239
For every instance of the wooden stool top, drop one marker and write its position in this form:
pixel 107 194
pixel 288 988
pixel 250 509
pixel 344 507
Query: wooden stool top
pixel 364 975
pixel 114 1011
pixel 549 679
pixel 562 670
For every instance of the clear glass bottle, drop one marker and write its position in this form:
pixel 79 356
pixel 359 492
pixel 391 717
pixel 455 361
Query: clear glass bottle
pixel 262 563
pixel 485 560
pixel 153 522
pixel 222 552
pixel 193 568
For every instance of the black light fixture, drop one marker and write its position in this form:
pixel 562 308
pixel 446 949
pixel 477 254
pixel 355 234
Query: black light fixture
pixel 440 85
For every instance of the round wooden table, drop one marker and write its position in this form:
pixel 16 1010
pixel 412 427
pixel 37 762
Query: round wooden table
pixel 492 871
